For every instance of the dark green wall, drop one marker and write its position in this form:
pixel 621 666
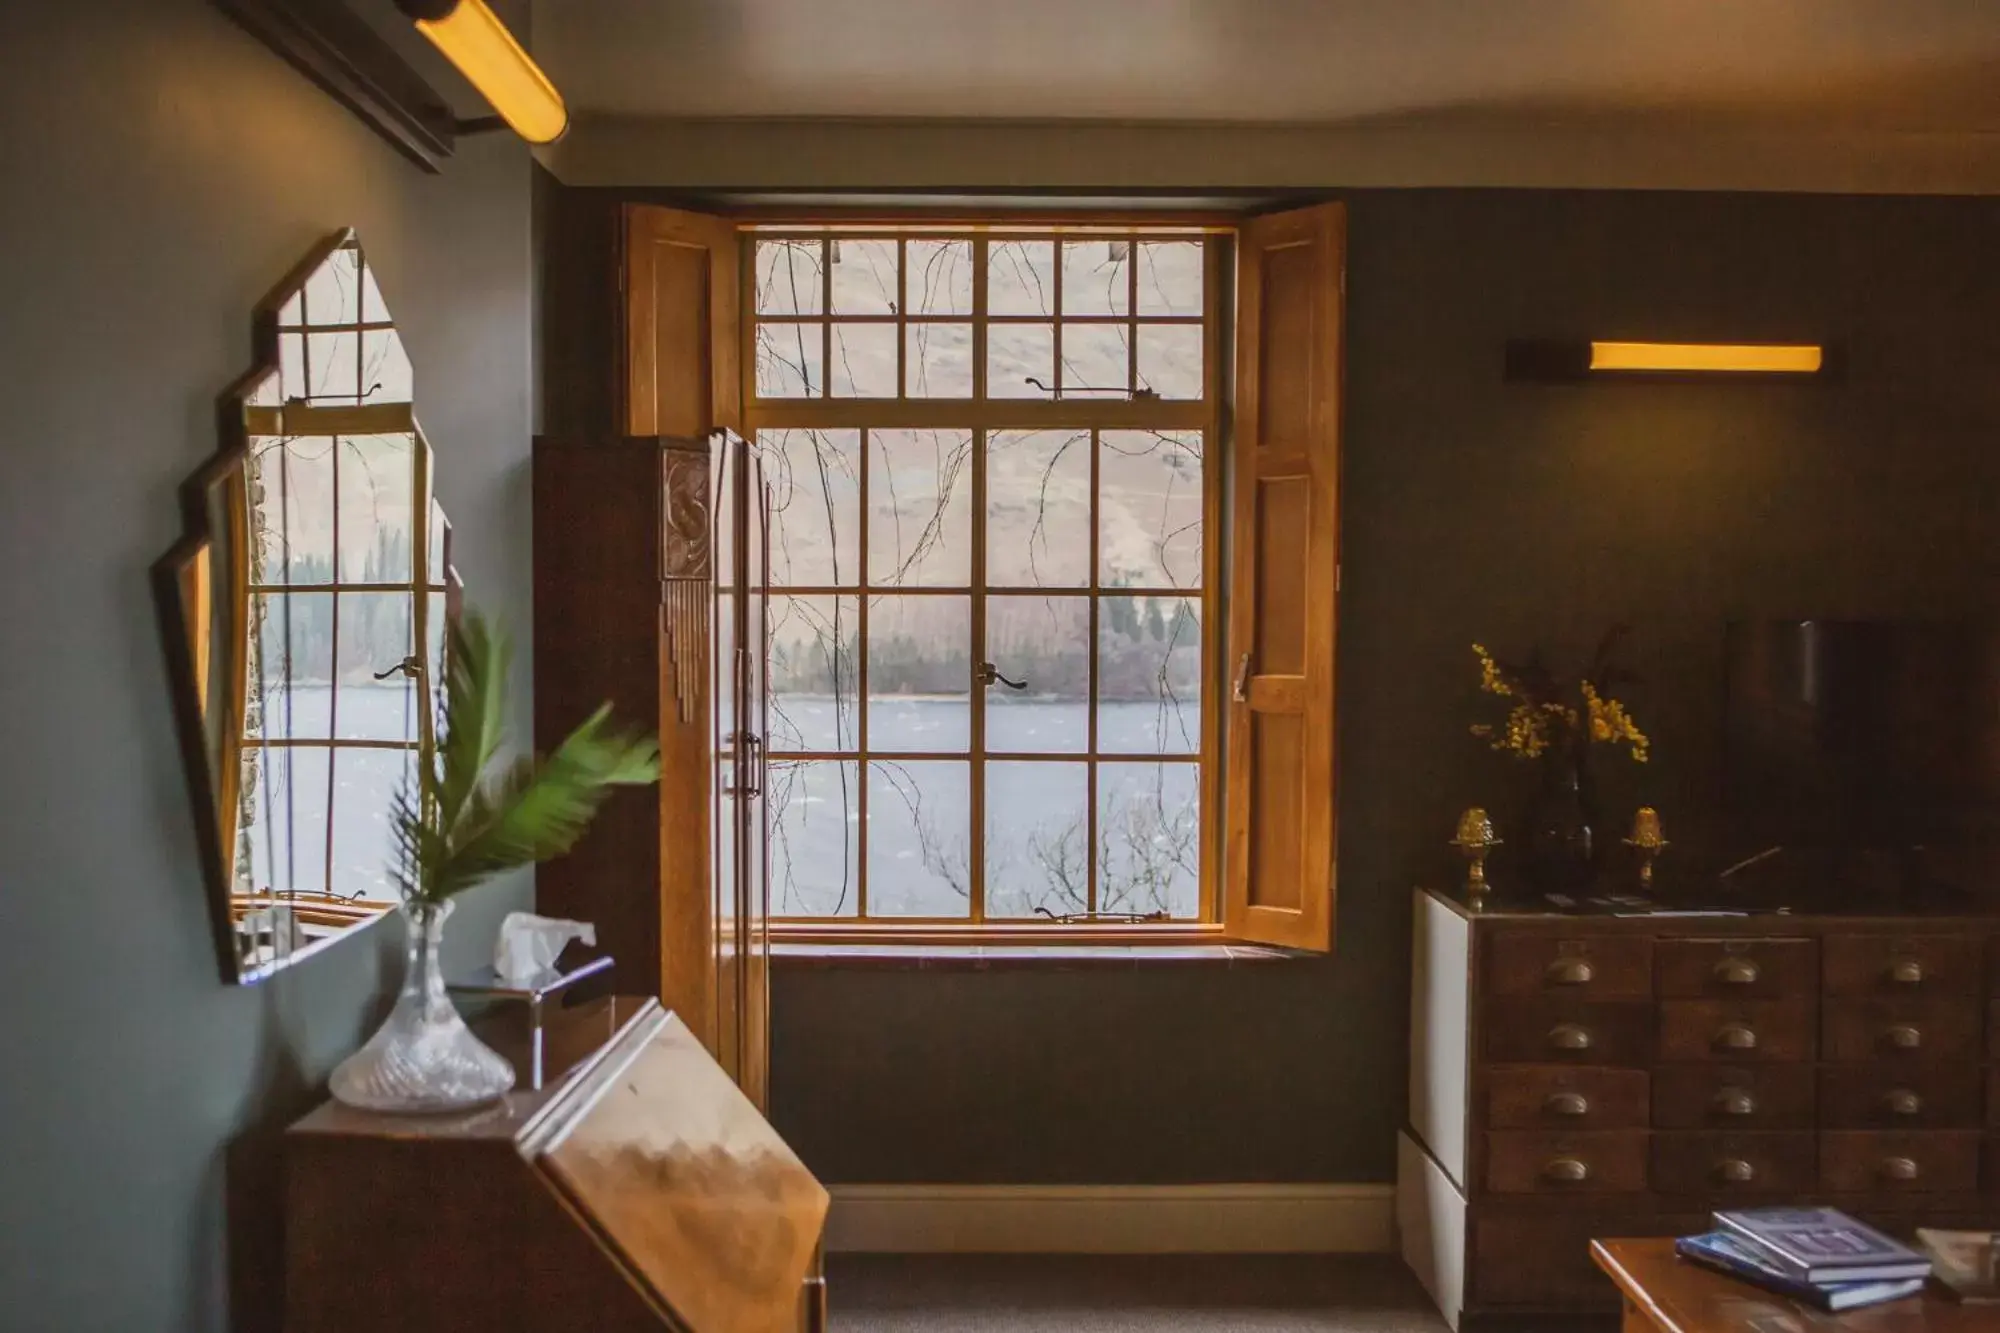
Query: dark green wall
pixel 158 171
pixel 1515 515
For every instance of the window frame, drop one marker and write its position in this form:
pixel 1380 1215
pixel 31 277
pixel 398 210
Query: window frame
pixel 983 416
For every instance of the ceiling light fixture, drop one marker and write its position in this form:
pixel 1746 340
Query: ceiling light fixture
pixel 474 39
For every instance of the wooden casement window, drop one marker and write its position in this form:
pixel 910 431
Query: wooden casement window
pixel 993 449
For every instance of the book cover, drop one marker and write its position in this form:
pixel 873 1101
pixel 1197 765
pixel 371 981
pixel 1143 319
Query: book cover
pixel 1822 1244
pixel 1723 1252
pixel 1966 1262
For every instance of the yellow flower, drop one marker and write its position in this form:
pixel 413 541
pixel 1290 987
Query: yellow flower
pixel 1490 678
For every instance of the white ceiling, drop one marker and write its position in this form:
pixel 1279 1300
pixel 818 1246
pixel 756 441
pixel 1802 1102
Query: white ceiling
pixel 1757 65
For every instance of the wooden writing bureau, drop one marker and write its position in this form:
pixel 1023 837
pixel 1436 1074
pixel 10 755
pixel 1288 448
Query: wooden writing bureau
pixel 639 1191
pixel 1575 1076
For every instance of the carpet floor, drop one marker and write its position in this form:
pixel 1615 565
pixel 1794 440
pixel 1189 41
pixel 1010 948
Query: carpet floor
pixel 1120 1294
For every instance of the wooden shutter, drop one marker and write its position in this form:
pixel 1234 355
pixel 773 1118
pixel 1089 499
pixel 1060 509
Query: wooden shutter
pixel 1284 579
pixel 683 340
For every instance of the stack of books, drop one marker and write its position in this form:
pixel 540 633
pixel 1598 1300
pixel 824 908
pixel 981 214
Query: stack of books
pixel 1818 1255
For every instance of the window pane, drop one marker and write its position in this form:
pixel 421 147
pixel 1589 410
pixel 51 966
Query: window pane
pixel 1044 641
pixel 1149 839
pixel 439 539
pixel 812 672
pixel 292 676
pixel 788 277
pixel 919 508
pixel 1096 277
pixel 1149 675
pixel 1021 278
pixel 815 481
pixel 940 277
pixel 333 290
pixel 938 361
pixel 1170 359
pixel 864 361
pixel 1037 839
pixel 291 510
pixel 364 846
pixel 375 630
pixel 815 844
pixel 864 277
pixel 437 626
pixel 1096 360
pixel 919 839
pixel 1150 509
pixel 378 484
pixel 386 376
pixel 919 673
pixel 1170 280
pixel 788 360
pixel 287 832
pixel 333 367
pixel 1038 509
pixel 1016 354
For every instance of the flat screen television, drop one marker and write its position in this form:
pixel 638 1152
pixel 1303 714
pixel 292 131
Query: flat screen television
pixel 1847 734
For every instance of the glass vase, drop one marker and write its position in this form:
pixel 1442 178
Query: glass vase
pixel 423 1059
pixel 1559 835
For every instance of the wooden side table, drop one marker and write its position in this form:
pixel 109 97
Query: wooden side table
pixel 1666 1294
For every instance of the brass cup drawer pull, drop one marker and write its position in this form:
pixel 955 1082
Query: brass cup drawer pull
pixel 1569 1037
pixel 1904 1102
pixel 1897 1168
pixel 1569 972
pixel 1566 1103
pixel 1566 1170
pixel 1906 972
pixel 1735 1171
pixel 1735 1037
pixel 1904 1037
pixel 1735 1101
pixel 1737 971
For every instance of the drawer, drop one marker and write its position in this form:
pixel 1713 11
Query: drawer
pixel 1733 969
pixel 1733 1096
pixel 1900 1030
pixel 1597 1161
pixel 1740 1031
pixel 1885 1096
pixel 1593 967
pixel 1902 965
pixel 1563 1097
pixel 1755 1163
pixel 1863 1161
pixel 1542 1260
pixel 1528 1031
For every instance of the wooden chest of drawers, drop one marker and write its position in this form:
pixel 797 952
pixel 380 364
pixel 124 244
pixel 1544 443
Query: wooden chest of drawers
pixel 1575 1076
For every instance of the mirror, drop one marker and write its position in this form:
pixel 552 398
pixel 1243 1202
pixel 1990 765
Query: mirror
pixel 304 613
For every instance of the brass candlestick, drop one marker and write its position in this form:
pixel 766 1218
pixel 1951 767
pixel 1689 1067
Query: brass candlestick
pixel 1475 841
pixel 1648 841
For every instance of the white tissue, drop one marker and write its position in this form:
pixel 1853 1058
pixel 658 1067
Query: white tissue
pixel 528 945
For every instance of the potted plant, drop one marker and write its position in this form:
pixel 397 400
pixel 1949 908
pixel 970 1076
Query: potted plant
pixel 463 819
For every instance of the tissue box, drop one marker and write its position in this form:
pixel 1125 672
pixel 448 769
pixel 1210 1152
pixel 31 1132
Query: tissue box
pixel 488 984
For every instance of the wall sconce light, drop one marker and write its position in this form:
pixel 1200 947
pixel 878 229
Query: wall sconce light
pixel 474 39
pixel 1606 360
pixel 339 51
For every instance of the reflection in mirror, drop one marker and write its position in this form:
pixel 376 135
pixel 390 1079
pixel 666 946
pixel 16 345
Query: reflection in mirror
pixel 305 613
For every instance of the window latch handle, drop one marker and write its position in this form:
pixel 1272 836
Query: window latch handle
pixel 990 675
pixel 1240 691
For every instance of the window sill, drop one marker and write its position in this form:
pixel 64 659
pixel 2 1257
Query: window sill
pixel 1001 957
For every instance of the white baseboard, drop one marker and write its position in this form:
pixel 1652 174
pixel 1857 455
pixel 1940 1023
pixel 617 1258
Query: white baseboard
pixel 1112 1219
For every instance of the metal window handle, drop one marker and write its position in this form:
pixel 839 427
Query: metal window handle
pixel 1569 972
pixel 1566 1103
pixel 1569 1037
pixel 1566 1170
pixel 1737 972
pixel 1735 1170
pixel 1904 1102
pixel 1906 972
pixel 1736 1037
pixel 990 675
pixel 1240 690
pixel 1735 1101
pixel 1904 1037
pixel 1897 1168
